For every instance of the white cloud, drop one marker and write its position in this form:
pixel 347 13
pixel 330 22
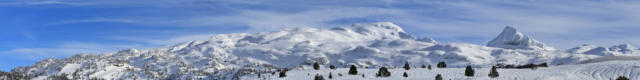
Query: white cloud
pixel 68 49
pixel 110 20
pixel 163 42
pixel 53 2
pixel 450 20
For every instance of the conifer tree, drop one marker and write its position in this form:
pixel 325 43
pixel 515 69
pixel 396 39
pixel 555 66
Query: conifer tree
pixel 383 72
pixel 406 66
pixel 438 77
pixel 423 66
pixel 316 66
pixel 318 77
pixel 330 76
pixel 429 67
pixel 283 74
pixel 405 74
pixel 353 70
pixel 468 71
pixel 493 73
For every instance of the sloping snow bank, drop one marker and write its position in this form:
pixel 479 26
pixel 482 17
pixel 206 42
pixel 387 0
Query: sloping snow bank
pixel 594 71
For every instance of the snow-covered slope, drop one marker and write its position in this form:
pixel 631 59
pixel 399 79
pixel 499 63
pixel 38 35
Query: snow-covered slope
pixel 596 71
pixel 510 38
pixel 616 50
pixel 231 56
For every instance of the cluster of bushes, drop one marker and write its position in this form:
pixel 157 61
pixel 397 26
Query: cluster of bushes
pixel 622 78
pixel 532 66
pixel 384 72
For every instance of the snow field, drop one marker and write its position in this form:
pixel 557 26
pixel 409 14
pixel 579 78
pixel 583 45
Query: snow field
pixel 594 71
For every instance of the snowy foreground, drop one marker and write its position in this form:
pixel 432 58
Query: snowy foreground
pixel 607 70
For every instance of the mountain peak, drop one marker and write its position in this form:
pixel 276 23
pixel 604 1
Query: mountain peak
pixel 623 48
pixel 387 26
pixel 510 38
pixel 510 29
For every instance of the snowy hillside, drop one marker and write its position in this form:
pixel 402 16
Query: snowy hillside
pixel 232 56
pixel 596 71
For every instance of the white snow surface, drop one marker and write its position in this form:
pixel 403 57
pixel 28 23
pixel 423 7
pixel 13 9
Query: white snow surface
pixel 616 50
pixel 232 56
pixel 609 70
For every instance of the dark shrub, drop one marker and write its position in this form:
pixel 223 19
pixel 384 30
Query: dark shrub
pixel 622 78
pixel 353 70
pixel 316 66
pixel 332 67
pixel 405 74
pixel 318 77
pixel 493 73
pixel 406 66
pixel 383 72
pixel 438 77
pixel 468 71
pixel 442 65
pixel 543 65
pixel 330 76
pixel 283 74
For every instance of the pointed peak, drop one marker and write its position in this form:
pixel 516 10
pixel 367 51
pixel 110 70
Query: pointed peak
pixel 510 30
pixel 510 38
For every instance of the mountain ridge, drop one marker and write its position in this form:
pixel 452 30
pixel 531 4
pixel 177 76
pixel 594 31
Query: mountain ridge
pixel 510 38
pixel 228 56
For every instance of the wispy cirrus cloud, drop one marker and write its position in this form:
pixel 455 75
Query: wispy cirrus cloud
pixel 163 42
pixel 67 49
pixel 447 20
pixel 100 20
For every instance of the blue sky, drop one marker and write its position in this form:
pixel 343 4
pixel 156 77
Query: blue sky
pixel 32 30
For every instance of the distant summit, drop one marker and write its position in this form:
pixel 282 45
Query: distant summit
pixel 616 50
pixel 510 38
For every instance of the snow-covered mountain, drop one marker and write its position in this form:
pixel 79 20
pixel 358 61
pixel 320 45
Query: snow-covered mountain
pixel 510 38
pixel 230 56
pixel 616 50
